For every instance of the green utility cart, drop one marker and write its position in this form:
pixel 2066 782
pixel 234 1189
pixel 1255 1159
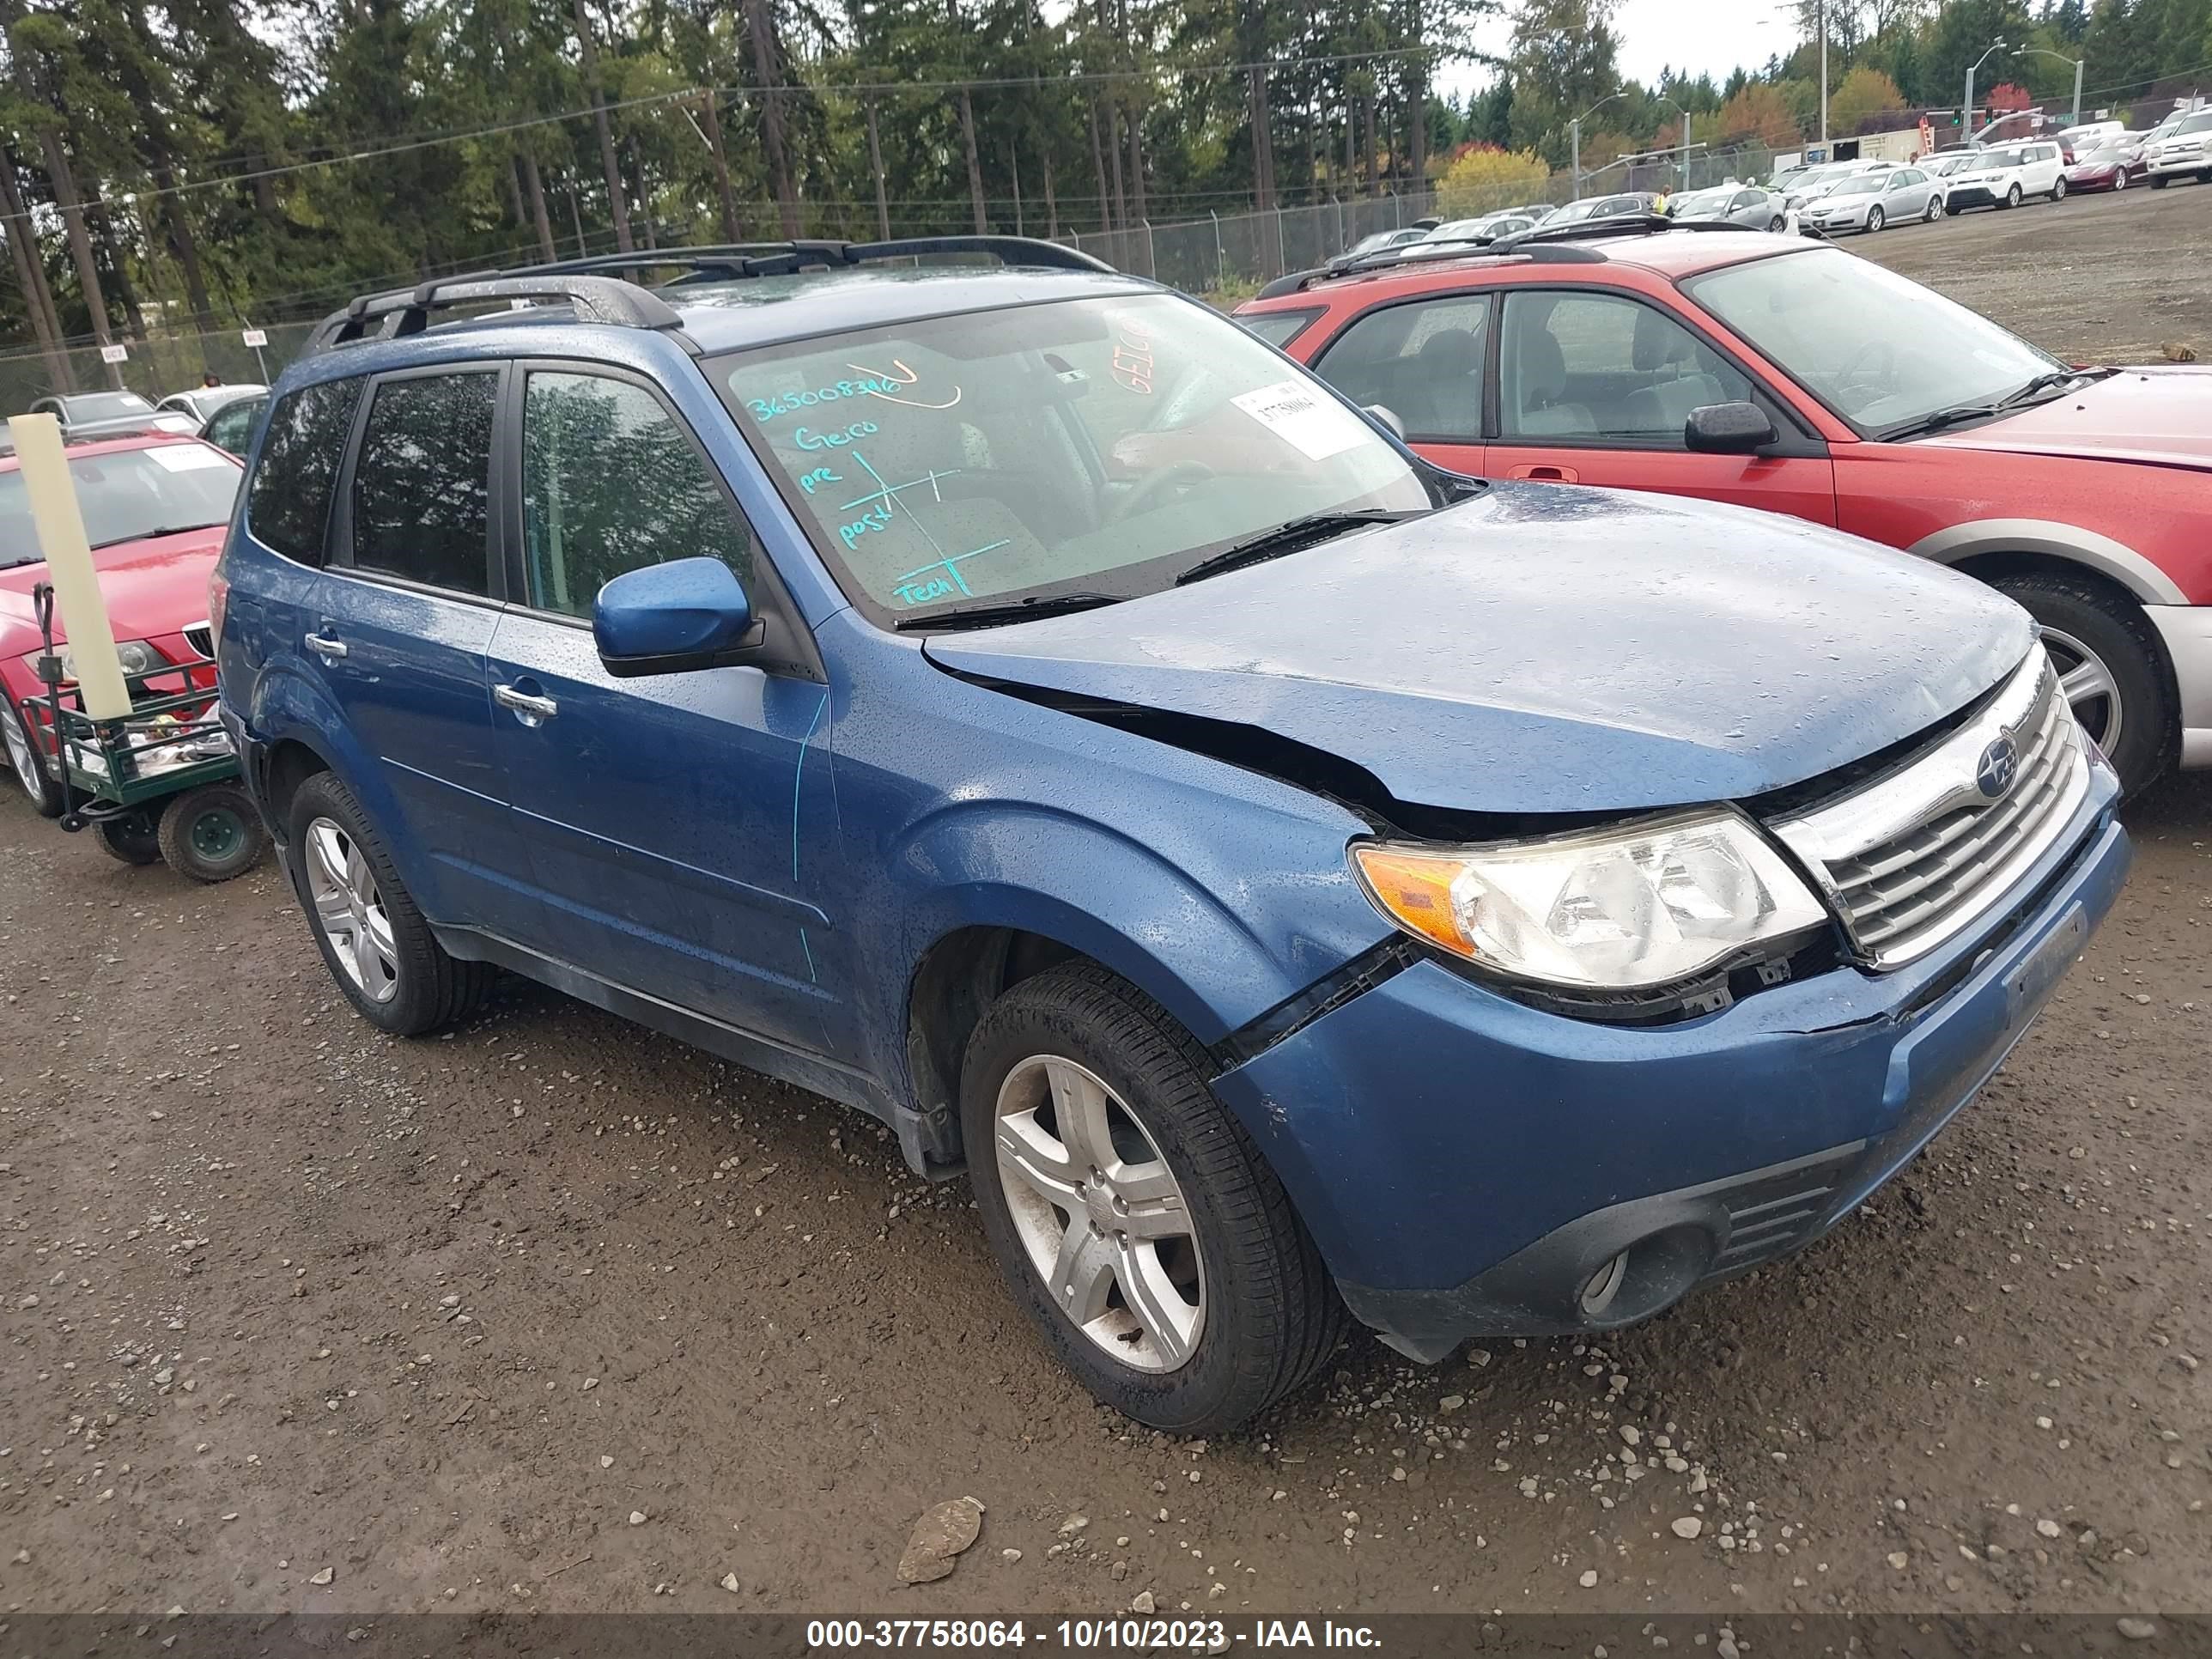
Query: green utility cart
pixel 162 782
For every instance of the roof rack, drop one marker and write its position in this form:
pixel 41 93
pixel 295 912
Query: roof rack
pixel 785 258
pixel 1298 282
pixel 600 294
pixel 403 312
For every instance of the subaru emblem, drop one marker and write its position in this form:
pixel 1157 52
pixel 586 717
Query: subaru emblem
pixel 1998 766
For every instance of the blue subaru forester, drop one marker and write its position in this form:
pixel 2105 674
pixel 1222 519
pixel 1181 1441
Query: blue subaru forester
pixel 1006 698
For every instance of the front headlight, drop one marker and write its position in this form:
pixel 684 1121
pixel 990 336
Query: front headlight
pixel 136 655
pixel 1627 907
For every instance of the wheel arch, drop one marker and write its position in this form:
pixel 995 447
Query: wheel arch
pixel 2045 545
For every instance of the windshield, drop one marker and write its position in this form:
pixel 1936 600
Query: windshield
pixel 129 494
pixel 1877 347
pixel 105 405
pixel 1094 446
pixel 1704 201
pixel 2200 122
pixel 1863 184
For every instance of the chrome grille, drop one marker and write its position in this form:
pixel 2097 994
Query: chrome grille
pixel 200 637
pixel 1915 858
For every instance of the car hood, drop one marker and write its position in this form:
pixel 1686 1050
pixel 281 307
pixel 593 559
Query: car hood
pixel 2160 415
pixel 1548 649
pixel 151 587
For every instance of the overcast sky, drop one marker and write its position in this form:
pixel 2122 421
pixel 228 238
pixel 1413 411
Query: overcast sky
pixel 1707 37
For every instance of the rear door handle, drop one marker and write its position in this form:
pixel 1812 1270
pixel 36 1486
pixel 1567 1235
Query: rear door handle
pixel 529 709
pixel 1545 472
pixel 325 646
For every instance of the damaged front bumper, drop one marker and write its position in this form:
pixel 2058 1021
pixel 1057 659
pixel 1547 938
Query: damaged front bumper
pixel 1470 1165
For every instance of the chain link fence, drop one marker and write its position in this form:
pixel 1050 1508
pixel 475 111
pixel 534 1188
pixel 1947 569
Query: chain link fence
pixel 1224 256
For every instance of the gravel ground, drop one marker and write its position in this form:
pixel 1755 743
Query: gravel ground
pixel 555 1314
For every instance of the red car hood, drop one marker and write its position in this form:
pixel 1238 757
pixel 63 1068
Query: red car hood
pixel 2160 415
pixel 152 588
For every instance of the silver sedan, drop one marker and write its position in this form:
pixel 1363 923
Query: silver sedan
pixel 1871 200
pixel 1747 205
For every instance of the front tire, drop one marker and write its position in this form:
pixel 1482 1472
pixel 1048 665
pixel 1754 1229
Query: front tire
pixel 2158 180
pixel 2108 665
pixel 1875 219
pixel 2120 179
pixel 30 770
pixel 2012 197
pixel 374 941
pixel 1137 1223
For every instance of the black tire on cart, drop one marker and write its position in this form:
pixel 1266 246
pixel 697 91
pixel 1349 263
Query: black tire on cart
pixel 28 766
pixel 212 833
pixel 130 839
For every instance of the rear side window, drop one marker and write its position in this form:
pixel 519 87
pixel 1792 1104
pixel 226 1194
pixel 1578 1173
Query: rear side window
pixel 421 484
pixel 1422 362
pixel 1277 328
pixel 288 505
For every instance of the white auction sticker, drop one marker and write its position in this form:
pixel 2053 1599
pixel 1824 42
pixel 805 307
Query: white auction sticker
pixel 1311 423
pixel 188 458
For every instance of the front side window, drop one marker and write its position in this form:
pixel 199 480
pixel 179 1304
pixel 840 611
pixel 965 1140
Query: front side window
pixel 1599 366
pixel 288 505
pixel 128 496
pixel 610 482
pixel 1879 349
pixel 422 482
pixel 1100 446
pixel 1422 362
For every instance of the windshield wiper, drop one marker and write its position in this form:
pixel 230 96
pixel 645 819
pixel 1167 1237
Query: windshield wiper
pixel 1012 610
pixel 1309 532
pixel 2010 401
pixel 158 530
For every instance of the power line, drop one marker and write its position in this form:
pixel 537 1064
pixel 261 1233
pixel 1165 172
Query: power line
pixel 868 88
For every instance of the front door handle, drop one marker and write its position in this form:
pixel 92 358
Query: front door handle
pixel 1545 472
pixel 329 649
pixel 529 709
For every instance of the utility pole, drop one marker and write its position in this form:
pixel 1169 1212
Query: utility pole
pixel 1824 78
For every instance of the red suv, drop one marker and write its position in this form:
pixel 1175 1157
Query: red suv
pixel 155 510
pixel 1783 374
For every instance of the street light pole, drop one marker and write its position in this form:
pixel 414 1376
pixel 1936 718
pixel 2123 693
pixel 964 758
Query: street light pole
pixel 1682 143
pixel 1824 78
pixel 2045 51
pixel 1575 135
pixel 1966 109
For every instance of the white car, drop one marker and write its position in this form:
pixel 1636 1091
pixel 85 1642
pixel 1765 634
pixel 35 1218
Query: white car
pixel 2186 150
pixel 2006 175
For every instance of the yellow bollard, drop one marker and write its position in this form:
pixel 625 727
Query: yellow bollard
pixel 60 526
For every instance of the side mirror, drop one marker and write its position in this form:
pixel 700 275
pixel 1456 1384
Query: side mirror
pixel 674 617
pixel 1729 429
pixel 1388 417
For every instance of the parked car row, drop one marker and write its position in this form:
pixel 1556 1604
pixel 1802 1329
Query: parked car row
pixel 1027 708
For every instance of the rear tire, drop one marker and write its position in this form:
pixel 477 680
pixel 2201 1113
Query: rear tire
pixel 1934 210
pixel 213 833
pixel 2058 190
pixel 1266 1314
pixel 131 839
pixel 374 941
pixel 2107 659
pixel 28 765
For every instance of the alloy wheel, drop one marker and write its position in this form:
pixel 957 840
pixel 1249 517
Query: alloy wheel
pixel 2091 691
pixel 28 773
pixel 1934 210
pixel 2012 197
pixel 2058 190
pixel 1875 218
pixel 1099 1214
pixel 2120 179
pixel 349 910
